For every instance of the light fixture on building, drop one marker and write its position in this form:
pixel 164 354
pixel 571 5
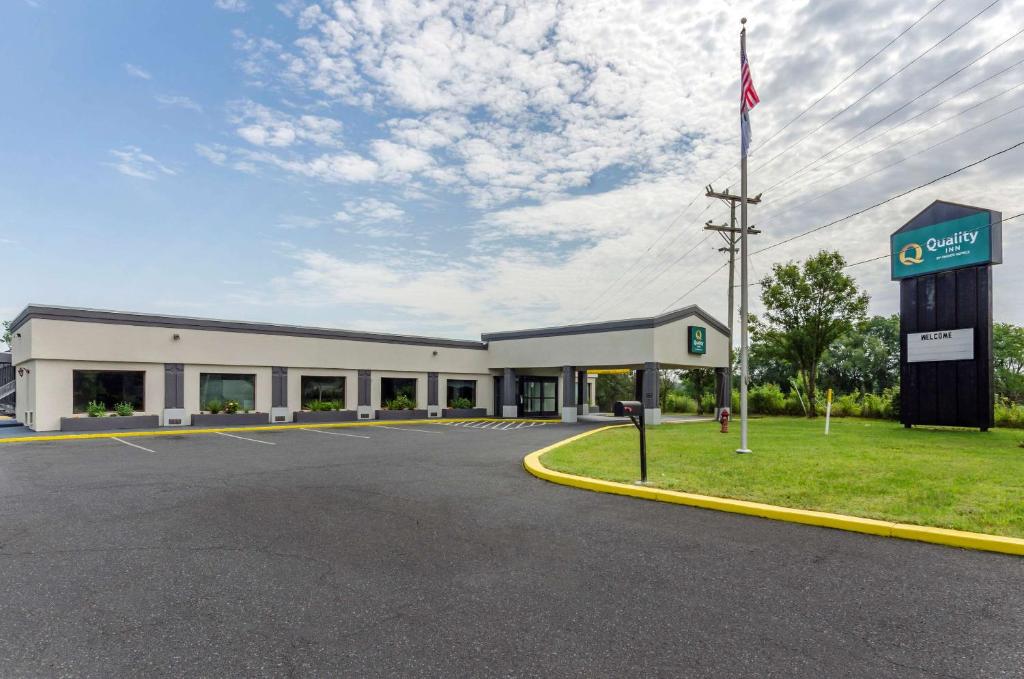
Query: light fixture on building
pixel 176 337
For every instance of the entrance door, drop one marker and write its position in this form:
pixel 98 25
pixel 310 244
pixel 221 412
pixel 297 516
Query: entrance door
pixel 538 396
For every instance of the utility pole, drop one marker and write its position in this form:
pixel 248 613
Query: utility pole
pixel 730 234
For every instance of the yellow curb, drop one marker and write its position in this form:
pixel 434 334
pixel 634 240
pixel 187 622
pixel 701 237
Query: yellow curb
pixel 171 431
pixel 941 536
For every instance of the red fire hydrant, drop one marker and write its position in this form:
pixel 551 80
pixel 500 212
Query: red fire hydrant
pixel 724 419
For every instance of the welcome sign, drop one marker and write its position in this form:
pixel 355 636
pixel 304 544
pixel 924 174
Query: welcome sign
pixel 952 244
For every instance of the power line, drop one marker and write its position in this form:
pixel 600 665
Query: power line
pixel 876 87
pixel 702 282
pixel 907 103
pixel 893 164
pixel 849 75
pixel 905 122
pixel 890 198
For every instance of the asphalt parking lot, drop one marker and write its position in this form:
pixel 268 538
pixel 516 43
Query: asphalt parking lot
pixel 426 550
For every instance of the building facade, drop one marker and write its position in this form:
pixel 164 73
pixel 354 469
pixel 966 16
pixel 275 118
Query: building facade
pixel 74 368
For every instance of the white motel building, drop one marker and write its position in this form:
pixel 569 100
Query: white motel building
pixel 173 369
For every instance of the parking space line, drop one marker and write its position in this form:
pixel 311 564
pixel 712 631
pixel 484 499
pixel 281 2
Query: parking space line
pixel 422 431
pixel 132 444
pixel 242 438
pixel 334 433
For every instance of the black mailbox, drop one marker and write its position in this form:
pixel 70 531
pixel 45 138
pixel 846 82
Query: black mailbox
pixel 624 408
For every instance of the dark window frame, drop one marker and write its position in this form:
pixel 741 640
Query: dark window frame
pixel 303 400
pixel 79 403
pixel 236 376
pixel 452 385
pixel 394 388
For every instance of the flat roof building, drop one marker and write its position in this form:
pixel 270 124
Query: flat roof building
pixel 173 370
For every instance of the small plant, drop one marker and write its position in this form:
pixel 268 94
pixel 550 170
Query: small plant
pixel 317 405
pixel 460 403
pixel 231 407
pixel 400 402
pixel 124 409
pixel 95 409
pixel 214 406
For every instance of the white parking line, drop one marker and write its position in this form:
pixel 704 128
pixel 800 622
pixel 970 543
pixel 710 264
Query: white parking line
pixel 132 444
pixel 334 433
pixel 422 431
pixel 266 443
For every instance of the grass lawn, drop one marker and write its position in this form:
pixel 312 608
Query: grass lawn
pixel 948 478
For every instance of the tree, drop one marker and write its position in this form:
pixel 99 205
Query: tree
pixel 865 359
pixel 612 388
pixel 7 334
pixel 807 308
pixel 1008 360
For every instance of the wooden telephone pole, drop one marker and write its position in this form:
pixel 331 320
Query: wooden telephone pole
pixel 731 235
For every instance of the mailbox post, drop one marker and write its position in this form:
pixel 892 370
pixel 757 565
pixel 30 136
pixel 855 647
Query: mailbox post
pixel 635 411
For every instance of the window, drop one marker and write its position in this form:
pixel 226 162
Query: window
pixel 323 388
pixel 108 387
pixel 461 389
pixel 227 387
pixel 391 387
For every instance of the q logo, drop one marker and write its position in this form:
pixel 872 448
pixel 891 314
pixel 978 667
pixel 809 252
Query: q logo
pixel 698 335
pixel 910 254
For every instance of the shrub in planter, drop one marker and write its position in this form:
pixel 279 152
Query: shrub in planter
pixel 319 406
pixel 95 409
pixel 231 407
pixel 214 406
pixel 124 409
pixel 461 404
pixel 400 402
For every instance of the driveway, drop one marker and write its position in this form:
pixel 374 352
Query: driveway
pixel 427 551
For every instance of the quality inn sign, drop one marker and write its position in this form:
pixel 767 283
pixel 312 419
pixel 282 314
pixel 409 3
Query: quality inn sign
pixel 951 244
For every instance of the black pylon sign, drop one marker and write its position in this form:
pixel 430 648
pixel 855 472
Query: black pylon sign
pixel 943 261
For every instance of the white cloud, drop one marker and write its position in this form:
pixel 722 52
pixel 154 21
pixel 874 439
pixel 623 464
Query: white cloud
pixel 369 210
pixel 262 126
pixel 180 101
pixel 133 162
pixel 215 154
pixel 137 72
pixel 231 5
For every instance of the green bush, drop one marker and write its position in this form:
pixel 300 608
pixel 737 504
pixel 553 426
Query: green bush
pixel 400 402
pixel 231 407
pixel 317 405
pixel 708 403
pixel 1009 414
pixel 792 405
pixel 214 406
pixel 95 409
pixel 679 403
pixel 875 406
pixel 766 399
pixel 846 406
pixel 460 403
pixel 124 409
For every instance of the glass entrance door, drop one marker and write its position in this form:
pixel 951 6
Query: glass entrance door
pixel 538 396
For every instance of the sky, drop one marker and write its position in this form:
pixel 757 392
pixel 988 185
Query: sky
pixel 446 168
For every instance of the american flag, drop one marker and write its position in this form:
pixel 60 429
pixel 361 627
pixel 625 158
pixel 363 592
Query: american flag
pixel 748 98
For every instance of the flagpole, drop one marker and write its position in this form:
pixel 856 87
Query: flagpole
pixel 743 275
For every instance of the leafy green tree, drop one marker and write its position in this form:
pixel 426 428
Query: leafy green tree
pixel 865 359
pixel 807 308
pixel 7 334
pixel 612 388
pixel 697 382
pixel 1008 360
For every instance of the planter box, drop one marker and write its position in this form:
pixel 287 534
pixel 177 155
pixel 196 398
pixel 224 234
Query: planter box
pixel 464 412
pixel 324 416
pixel 105 423
pixel 401 414
pixel 230 420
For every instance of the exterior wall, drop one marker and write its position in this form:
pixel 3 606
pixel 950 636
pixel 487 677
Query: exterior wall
pixel 620 348
pixel 51 395
pixel 295 385
pixel 73 340
pixel 26 390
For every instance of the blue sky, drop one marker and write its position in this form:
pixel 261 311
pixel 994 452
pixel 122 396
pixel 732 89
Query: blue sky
pixel 450 167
